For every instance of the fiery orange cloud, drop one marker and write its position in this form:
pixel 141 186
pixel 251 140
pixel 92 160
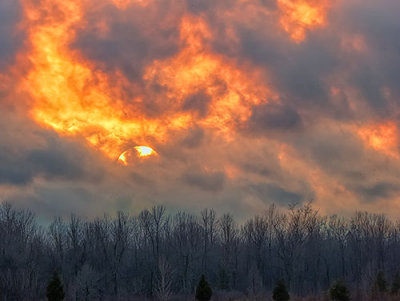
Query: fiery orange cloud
pixel 298 16
pixel 381 137
pixel 195 69
pixel 70 95
pixel 74 98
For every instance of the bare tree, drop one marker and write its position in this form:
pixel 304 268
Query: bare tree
pixel 165 278
pixel 160 255
pixel 208 224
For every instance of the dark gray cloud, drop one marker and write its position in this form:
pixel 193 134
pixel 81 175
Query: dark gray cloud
pixel 335 151
pixel 271 193
pixel 375 191
pixel 10 37
pixel 197 102
pixel 194 137
pixel 210 181
pixel 57 159
pixel 378 21
pixel 297 70
pixel 200 6
pixel 130 41
pixel 27 152
pixel 267 118
pixel 379 66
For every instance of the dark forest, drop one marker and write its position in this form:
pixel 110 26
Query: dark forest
pixel 161 256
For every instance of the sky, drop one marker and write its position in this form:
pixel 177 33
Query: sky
pixel 234 105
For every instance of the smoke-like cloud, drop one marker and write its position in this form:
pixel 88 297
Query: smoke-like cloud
pixel 243 103
pixel 10 35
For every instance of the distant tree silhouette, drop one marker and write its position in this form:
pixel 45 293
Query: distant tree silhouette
pixel 203 290
pixel 55 290
pixel 339 291
pixel 395 289
pixel 280 292
pixel 223 283
pixel 161 253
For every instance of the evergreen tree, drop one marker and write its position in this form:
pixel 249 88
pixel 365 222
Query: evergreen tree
pixel 280 292
pixel 339 291
pixel 55 290
pixel 203 290
pixel 395 289
pixel 380 284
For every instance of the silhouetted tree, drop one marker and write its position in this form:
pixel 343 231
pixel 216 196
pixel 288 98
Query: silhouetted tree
pixel 55 290
pixel 339 291
pixel 164 284
pixel 280 292
pixel 160 254
pixel 203 290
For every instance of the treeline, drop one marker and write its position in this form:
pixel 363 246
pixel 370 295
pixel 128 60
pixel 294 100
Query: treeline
pixel 157 254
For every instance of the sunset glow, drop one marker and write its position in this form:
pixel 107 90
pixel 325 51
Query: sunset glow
pixel 299 16
pixel 78 99
pixel 237 104
pixel 145 151
pixel 382 137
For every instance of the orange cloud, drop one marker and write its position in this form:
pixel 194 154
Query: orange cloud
pixel 195 68
pixel 198 76
pixel 381 137
pixel 70 95
pixel 74 98
pixel 123 4
pixel 299 16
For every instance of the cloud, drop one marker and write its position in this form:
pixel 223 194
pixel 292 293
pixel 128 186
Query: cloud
pixel 379 190
pixel 10 36
pixel 28 152
pixel 245 102
pixel 126 40
pixel 57 159
pixel 194 137
pixel 209 181
pixel 271 117
pixel 197 102
pixel 272 193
